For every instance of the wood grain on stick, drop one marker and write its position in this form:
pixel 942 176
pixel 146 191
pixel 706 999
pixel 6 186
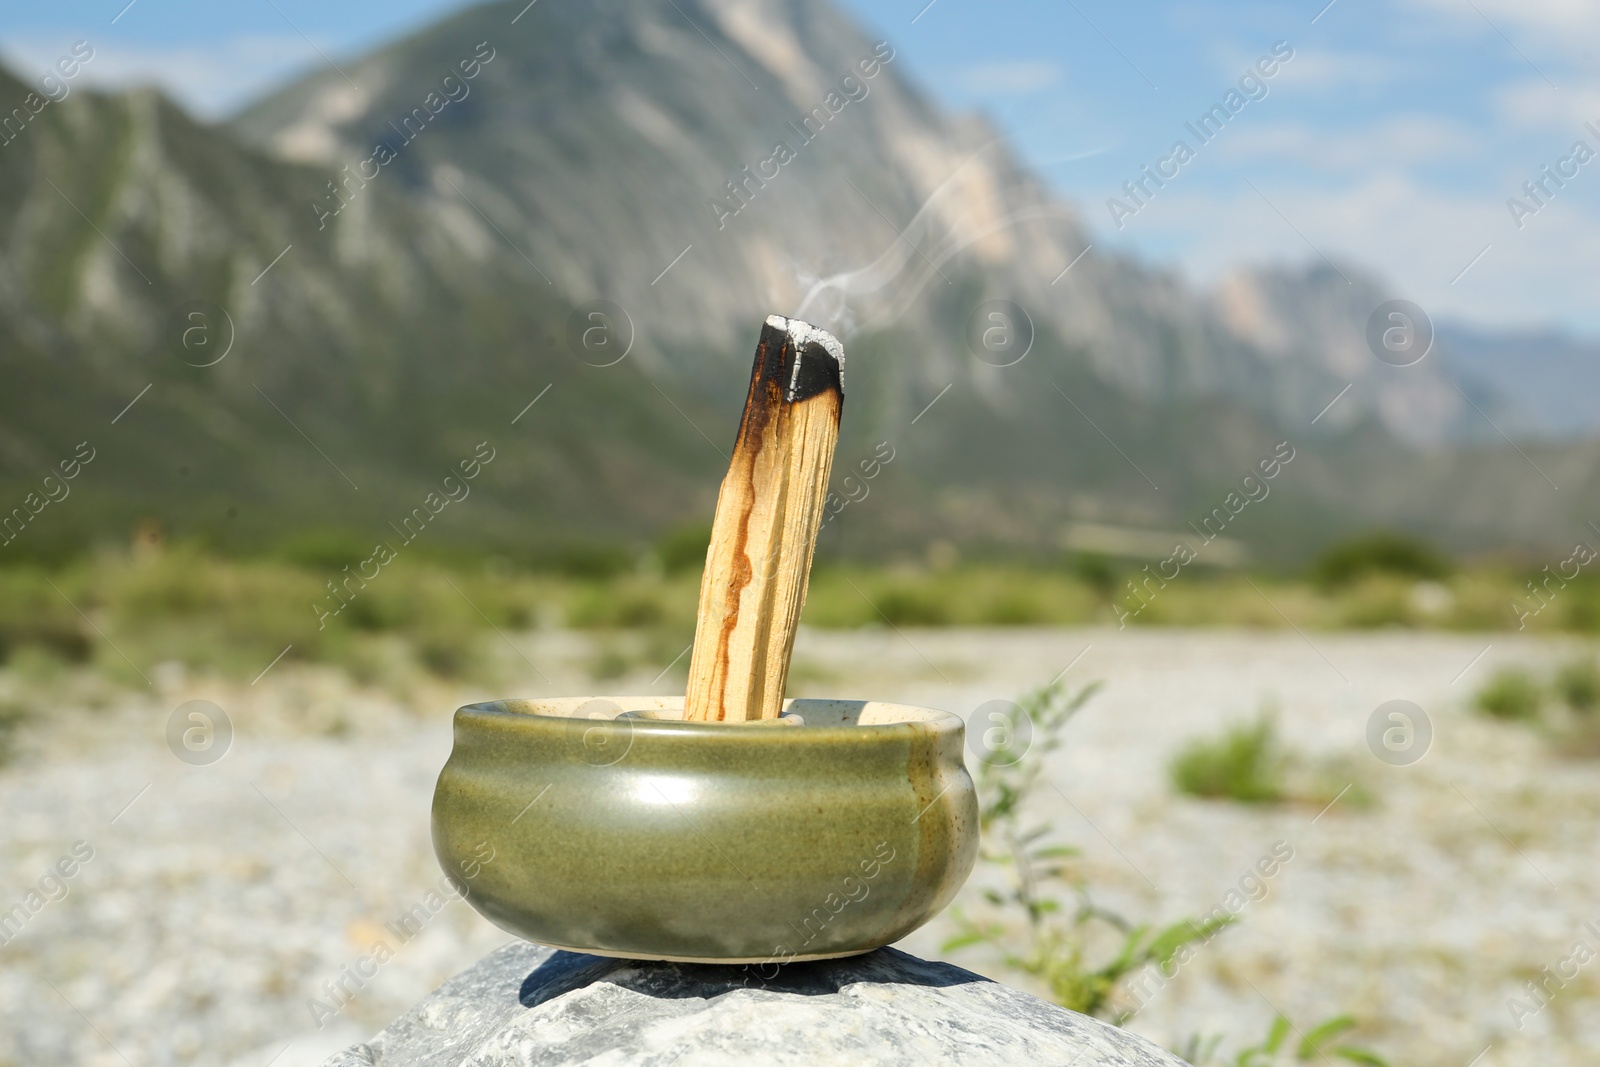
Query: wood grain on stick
pixel 768 513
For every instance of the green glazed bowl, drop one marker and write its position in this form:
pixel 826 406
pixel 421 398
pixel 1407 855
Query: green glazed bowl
pixel 611 826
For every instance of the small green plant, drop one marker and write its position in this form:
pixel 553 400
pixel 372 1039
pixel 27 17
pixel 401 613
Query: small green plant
pixel 1513 694
pixel 1578 684
pixel 1036 936
pixel 1246 764
pixel 1276 1048
pixel 1052 948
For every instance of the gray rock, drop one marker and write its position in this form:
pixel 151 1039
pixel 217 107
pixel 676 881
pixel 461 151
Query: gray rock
pixel 523 1005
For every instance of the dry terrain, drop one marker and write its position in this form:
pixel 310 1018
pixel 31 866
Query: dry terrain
pixel 221 899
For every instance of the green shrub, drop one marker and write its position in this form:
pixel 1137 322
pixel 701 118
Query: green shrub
pixel 911 606
pixel 1578 684
pixel 1375 603
pixel 1245 764
pixel 1096 572
pixel 449 652
pixel 321 550
pixel 12 717
pixel 34 614
pixel 1380 552
pixel 591 560
pixel 609 665
pixel 1512 694
pixel 684 549
pixel 610 607
pixel 1015 608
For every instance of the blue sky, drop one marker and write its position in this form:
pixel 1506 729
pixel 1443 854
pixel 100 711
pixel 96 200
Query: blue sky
pixel 1391 140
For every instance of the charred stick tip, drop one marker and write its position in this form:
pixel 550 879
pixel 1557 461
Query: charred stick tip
pixel 810 372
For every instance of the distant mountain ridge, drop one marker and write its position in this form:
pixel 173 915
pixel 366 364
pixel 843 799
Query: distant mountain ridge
pixel 705 163
pixel 1548 379
pixel 405 244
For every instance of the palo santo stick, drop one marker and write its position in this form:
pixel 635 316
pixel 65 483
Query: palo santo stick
pixel 768 512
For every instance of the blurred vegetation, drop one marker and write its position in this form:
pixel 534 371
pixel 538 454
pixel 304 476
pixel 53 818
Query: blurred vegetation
pixel 440 612
pixel 1565 707
pixel 1578 686
pixel 233 617
pixel 684 549
pixel 1379 552
pixel 12 717
pixel 1511 693
pixel 1250 764
pixel 1246 764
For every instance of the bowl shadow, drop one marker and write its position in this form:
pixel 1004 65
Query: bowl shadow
pixel 564 972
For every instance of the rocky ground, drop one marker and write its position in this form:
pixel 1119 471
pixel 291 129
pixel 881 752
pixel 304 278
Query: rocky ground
pixel 221 901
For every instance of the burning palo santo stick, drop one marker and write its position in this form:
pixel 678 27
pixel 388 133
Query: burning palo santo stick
pixel 768 512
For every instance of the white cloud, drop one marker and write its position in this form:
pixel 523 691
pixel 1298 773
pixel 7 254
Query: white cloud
pixel 1572 24
pixel 1416 237
pixel 208 80
pixel 1399 141
pixel 1010 79
pixel 1532 102
pixel 1547 35
pixel 1327 69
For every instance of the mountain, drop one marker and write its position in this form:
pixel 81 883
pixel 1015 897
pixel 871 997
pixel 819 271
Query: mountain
pixel 1319 315
pixel 606 140
pixel 408 251
pixel 1547 378
pixel 241 374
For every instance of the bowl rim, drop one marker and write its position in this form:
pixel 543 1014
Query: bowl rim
pixel 809 718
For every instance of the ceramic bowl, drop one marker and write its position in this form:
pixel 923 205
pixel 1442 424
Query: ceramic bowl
pixel 609 825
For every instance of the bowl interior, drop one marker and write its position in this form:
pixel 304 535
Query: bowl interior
pixel 807 713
